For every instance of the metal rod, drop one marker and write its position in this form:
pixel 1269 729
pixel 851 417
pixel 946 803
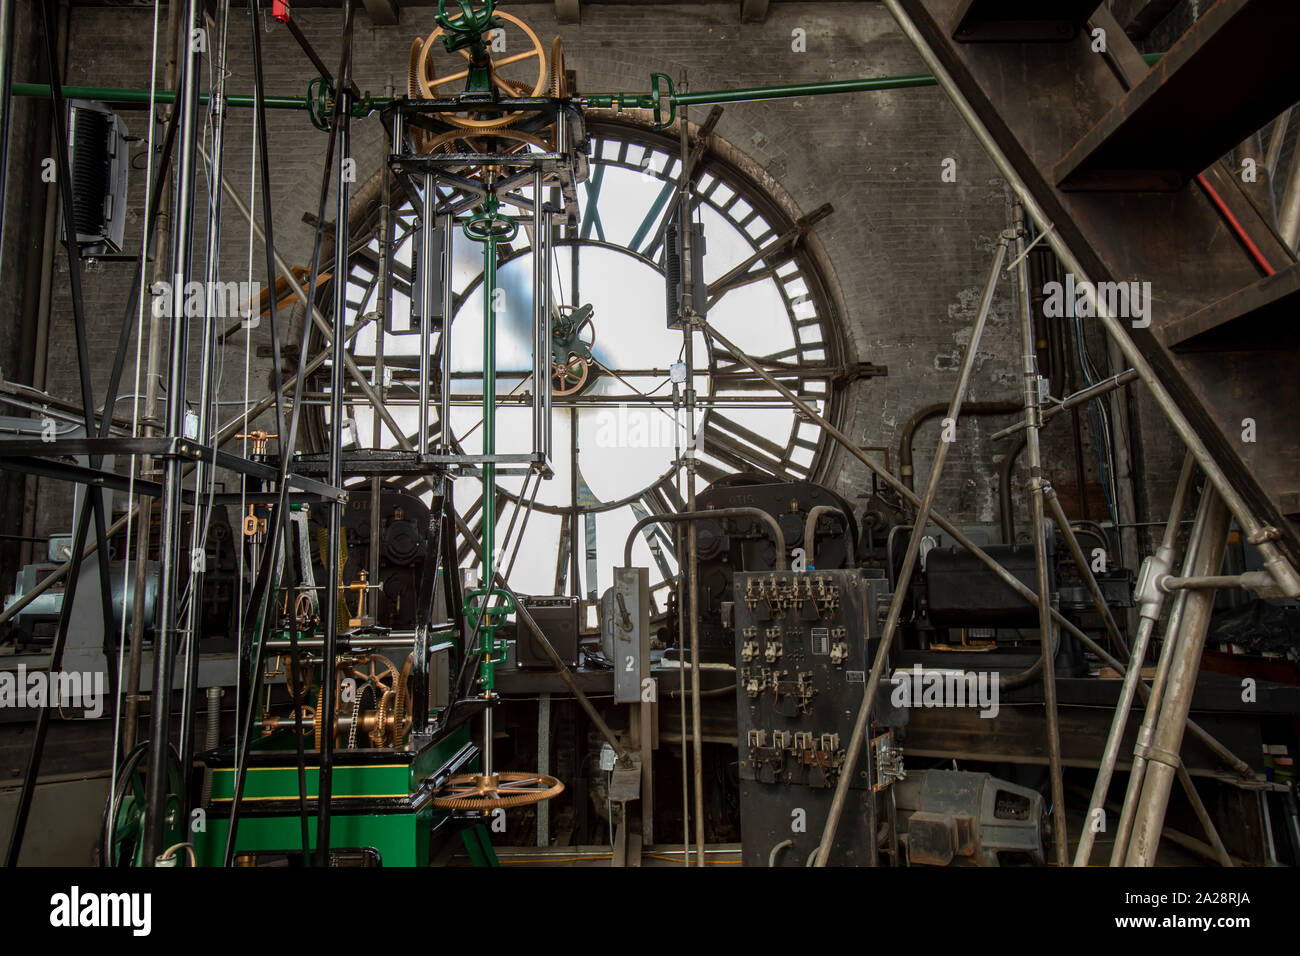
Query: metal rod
pixel 528 513
pixel 1033 425
pixel 1253 580
pixel 1149 613
pixel 688 321
pixel 333 571
pixel 277 389
pixel 1288 214
pixel 178 361
pixel 861 724
pixel 200 514
pixel 428 222
pixel 1173 629
pixel 1203 815
pixel 1287 579
pixel 1071 401
pixel 153 362
pixel 541 343
pixel 1166 740
pixel 6 104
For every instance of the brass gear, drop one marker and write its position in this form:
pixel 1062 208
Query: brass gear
pixel 423 81
pixel 559 79
pixel 472 791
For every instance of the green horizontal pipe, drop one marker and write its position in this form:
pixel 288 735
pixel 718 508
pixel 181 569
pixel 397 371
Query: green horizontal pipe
pixel 745 94
pixel 141 97
pixel 875 84
pixel 701 98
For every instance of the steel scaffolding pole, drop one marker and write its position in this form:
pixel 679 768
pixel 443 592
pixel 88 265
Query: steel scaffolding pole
pixel 1046 626
pixel 923 515
pixel 333 569
pixel 169 526
pixel 1149 614
pixel 1161 752
pixel 686 312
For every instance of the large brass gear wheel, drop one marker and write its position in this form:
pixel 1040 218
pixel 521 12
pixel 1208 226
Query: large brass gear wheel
pixel 423 80
pixel 472 791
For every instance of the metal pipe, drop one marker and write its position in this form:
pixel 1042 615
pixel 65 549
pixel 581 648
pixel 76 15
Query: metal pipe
pixel 1251 580
pixel 1276 140
pixel 686 313
pixel 1173 628
pixel 1166 739
pixel 1085 569
pixel 1033 424
pixel 715 513
pixel 444 338
pixel 178 361
pixel 486 626
pixel 1071 401
pixel 333 571
pixel 428 221
pixel 200 514
pixel 930 411
pixel 1288 213
pixel 1263 537
pixel 810 535
pixel 860 726
pixel 541 344
pixel 127 97
pixel 1006 506
pixel 153 362
pixel 6 104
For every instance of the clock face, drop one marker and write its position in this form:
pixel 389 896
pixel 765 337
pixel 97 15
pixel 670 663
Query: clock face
pixel 617 434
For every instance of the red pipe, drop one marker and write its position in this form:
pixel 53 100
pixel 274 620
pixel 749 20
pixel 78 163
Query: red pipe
pixel 1235 225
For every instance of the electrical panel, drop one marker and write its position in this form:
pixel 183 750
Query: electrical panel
pixel 803 645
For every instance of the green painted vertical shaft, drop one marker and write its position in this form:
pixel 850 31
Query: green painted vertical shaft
pixel 487 640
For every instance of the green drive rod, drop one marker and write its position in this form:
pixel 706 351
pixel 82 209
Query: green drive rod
pixel 489 227
pixel 617 101
pixel 141 97
pixel 489 448
pixel 745 94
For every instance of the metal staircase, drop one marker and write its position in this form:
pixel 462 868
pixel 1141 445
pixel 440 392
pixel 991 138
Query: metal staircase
pixel 1121 160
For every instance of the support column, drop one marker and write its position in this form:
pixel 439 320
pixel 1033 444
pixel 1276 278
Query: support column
pixel 1162 754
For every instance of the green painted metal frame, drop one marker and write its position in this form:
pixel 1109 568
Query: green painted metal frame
pixel 400 833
